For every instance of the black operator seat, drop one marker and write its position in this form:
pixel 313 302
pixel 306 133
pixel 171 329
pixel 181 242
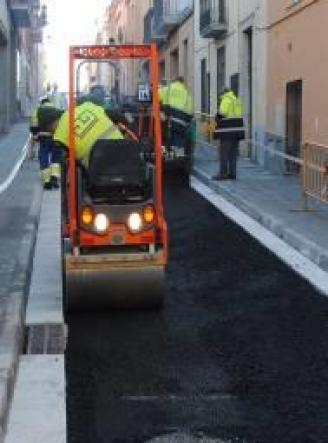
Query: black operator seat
pixel 117 170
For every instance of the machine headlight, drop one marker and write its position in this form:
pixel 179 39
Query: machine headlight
pixel 101 223
pixel 135 222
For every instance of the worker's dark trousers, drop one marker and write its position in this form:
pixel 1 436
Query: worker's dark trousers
pixel 228 153
pixel 178 135
pixel 48 153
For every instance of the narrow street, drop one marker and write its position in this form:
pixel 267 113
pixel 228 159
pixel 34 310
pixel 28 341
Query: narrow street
pixel 100 102
pixel 239 352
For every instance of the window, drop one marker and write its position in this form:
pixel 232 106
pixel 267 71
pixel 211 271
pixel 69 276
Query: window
pixel 174 64
pixel 221 70
pixel 161 70
pixel 203 85
pixel 234 83
pixel 185 59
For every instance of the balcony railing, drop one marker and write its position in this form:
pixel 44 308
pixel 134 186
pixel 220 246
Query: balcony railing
pixel 148 25
pixel 20 10
pixel 169 14
pixel 213 18
pixel 150 32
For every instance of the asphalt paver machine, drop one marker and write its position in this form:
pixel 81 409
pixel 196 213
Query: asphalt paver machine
pixel 114 234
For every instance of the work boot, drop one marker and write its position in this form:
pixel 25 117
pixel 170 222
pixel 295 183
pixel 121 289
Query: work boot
pixel 47 186
pixel 54 182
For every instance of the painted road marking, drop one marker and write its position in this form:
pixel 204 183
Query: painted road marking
pixel 8 181
pixel 294 259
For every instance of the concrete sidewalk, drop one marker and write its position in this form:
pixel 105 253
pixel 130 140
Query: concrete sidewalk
pixel 40 386
pixel 19 215
pixel 273 200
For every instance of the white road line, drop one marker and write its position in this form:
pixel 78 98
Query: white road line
pixel 300 264
pixel 8 181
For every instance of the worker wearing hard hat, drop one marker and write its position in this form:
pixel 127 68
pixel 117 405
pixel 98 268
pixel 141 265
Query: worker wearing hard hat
pixel 49 154
pixel 177 104
pixel 91 124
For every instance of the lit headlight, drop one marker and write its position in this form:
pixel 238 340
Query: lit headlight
pixel 135 222
pixel 101 223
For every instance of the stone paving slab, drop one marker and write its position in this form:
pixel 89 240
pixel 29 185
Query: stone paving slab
pixel 273 200
pixel 39 410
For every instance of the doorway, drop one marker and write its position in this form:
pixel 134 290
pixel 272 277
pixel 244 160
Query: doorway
pixel 174 64
pixel 249 70
pixel 294 98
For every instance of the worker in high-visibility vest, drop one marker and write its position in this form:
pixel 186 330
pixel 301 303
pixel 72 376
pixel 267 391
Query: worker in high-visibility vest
pixel 178 106
pixel 91 124
pixel 229 130
pixel 49 154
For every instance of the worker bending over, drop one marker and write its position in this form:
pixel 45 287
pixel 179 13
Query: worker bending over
pixel 178 107
pixel 49 154
pixel 91 124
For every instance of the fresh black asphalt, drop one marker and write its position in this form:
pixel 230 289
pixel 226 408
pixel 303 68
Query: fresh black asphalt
pixel 239 352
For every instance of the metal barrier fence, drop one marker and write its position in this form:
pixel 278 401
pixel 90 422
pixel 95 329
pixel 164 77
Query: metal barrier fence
pixel 205 127
pixel 313 164
pixel 315 172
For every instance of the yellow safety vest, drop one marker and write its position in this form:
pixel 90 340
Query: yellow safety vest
pixel 231 106
pixel 177 96
pixel 162 93
pixel 91 124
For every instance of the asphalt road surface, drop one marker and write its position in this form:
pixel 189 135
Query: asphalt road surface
pixel 239 353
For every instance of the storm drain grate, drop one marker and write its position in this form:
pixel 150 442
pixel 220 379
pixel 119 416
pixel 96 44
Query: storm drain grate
pixel 45 339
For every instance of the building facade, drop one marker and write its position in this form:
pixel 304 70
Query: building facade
pixel 123 24
pixel 170 24
pixel 297 75
pixel 231 51
pixel 20 34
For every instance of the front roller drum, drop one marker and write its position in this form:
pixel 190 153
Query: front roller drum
pixel 115 288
